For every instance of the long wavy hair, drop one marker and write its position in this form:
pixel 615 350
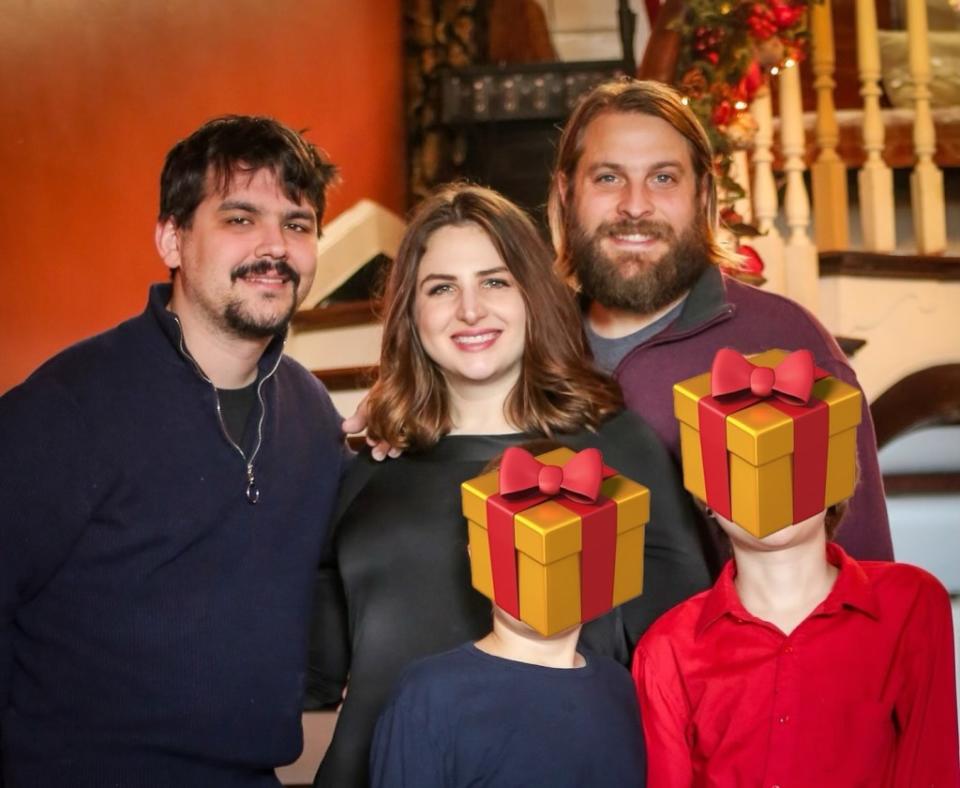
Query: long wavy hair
pixel 643 97
pixel 559 390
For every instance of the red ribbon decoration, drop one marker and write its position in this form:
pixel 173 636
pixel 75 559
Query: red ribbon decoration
pixel 791 380
pixel 579 478
pixel 735 384
pixel 526 482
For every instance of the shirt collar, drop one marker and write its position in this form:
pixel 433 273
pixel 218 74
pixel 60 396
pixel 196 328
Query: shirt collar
pixel 706 301
pixel 159 297
pixel 851 589
pixel 721 600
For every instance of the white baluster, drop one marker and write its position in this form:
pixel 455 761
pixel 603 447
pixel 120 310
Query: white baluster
pixel 740 174
pixel 829 174
pixel 875 180
pixel 801 255
pixel 926 180
pixel 769 245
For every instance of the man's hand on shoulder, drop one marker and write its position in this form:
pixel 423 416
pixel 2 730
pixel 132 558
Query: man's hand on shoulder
pixel 357 423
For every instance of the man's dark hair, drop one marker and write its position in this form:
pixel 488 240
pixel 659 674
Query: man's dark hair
pixel 230 144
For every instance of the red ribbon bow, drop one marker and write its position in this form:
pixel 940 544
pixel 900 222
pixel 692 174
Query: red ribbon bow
pixel 579 478
pixel 791 380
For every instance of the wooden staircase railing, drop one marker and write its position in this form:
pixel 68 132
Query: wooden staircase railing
pixel 337 315
pixel 829 181
pixel 346 378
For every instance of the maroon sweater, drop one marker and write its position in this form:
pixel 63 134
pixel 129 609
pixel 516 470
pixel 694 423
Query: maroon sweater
pixel 721 312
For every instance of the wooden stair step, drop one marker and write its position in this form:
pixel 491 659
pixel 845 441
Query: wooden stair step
pixel 890 266
pixel 337 315
pixel 346 378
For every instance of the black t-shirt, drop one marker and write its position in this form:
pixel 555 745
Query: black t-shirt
pixel 466 718
pixel 235 407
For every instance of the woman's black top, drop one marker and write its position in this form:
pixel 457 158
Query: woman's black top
pixel 398 587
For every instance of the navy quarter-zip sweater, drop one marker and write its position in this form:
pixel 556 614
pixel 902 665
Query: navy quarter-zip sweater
pixel 153 621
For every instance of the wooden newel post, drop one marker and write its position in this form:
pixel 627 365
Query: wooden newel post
pixel 769 244
pixel 803 280
pixel 926 180
pixel 875 180
pixel 829 174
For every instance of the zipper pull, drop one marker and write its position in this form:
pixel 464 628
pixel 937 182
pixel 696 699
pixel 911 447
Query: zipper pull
pixel 253 493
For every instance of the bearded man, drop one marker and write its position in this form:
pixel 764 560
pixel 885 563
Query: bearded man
pixel 633 214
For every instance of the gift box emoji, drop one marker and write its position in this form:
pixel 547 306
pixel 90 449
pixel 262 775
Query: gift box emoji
pixel 557 539
pixel 769 440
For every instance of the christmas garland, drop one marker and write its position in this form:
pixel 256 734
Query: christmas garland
pixel 728 50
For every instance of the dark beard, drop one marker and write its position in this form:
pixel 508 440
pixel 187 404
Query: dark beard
pixel 247 326
pixel 654 284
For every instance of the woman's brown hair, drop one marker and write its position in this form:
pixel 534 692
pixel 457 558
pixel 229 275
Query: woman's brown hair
pixel 559 390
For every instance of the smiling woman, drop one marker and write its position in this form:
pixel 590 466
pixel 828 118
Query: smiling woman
pixel 471 321
pixel 483 348
pixel 556 389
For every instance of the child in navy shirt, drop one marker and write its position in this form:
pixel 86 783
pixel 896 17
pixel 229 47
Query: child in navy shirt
pixel 511 710
pixel 516 708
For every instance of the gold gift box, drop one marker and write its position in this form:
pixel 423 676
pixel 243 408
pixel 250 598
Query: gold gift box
pixel 760 449
pixel 548 542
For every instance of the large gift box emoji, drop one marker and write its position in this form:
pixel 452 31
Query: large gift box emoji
pixel 768 440
pixel 557 539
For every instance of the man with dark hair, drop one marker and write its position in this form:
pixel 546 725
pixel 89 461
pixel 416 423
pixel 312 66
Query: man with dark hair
pixel 166 490
pixel 633 214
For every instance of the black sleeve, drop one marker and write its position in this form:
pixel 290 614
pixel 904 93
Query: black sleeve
pixel 48 465
pixel 328 663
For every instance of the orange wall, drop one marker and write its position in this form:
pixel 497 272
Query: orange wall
pixel 93 94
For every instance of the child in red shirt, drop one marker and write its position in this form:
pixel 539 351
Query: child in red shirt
pixel 802 667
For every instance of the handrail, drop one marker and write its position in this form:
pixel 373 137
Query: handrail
pixel 346 378
pixel 337 315
pixel 928 397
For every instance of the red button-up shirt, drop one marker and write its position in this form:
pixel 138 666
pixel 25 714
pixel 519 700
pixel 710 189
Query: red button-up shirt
pixel 861 693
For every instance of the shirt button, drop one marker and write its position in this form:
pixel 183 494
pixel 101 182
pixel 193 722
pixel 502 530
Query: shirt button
pixel 788 649
pixel 785 718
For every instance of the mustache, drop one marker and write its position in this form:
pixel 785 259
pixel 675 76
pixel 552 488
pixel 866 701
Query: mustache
pixel 660 231
pixel 261 267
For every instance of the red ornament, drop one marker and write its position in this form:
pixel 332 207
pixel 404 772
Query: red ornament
pixel 761 22
pixel 722 113
pixel 730 217
pixel 750 83
pixel 751 262
pixel 784 14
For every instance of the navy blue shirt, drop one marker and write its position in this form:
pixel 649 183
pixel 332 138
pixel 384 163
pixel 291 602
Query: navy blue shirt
pixel 467 718
pixel 153 622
